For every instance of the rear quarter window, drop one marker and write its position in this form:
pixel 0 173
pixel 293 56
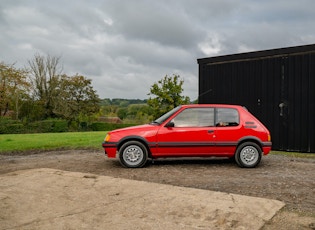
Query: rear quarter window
pixel 226 117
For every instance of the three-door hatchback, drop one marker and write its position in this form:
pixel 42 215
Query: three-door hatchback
pixel 205 130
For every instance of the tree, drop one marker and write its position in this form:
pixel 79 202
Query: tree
pixel 167 92
pixel 45 78
pixel 13 89
pixel 122 113
pixel 135 113
pixel 75 98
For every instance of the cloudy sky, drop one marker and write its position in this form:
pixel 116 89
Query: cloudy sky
pixel 125 46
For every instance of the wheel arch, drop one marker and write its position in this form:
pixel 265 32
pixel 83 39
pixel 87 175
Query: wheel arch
pixel 134 138
pixel 250 139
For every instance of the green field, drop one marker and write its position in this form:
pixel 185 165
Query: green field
pixel 51 141
pixel 12 143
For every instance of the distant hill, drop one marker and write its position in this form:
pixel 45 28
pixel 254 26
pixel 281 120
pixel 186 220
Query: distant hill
pixel 121 102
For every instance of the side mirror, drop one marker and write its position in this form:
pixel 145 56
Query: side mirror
pixel 170 124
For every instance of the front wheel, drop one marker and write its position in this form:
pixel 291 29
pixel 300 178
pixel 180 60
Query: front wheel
pixel 248 155
pixel 133 154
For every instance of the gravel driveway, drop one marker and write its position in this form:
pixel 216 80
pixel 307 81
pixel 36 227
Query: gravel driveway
pixel 287 179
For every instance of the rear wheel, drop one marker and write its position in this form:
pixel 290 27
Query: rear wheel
pixel 248 155
pixel 133 154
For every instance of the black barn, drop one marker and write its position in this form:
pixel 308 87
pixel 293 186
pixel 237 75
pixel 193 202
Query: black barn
pixel 277 86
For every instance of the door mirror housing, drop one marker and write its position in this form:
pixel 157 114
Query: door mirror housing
pixel 170 124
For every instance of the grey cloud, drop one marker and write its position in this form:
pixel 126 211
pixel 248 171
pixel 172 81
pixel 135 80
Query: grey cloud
pixel 154 21
pixel 126 46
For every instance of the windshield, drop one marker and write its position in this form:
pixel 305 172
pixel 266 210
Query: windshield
pixel 164 117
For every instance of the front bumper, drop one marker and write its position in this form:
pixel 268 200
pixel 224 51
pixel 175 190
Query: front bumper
pixel 110 149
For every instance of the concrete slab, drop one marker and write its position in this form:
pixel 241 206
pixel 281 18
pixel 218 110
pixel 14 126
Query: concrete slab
pixel 54 199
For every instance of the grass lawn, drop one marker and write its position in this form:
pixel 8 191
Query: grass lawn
pixel 51 141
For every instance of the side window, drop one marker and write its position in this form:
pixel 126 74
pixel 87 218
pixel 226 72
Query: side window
pixel 195 117
pixel 227 117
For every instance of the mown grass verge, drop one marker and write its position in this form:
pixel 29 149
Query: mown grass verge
pixel 11 143
pixel 294 154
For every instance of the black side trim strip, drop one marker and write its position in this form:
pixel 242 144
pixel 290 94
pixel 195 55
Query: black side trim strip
pixel 184 144
pixel 226 144
pixel 267 144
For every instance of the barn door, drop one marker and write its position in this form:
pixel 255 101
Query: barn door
pixel 283 109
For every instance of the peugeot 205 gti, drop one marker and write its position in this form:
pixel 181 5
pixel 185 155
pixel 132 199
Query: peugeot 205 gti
pixel 193 131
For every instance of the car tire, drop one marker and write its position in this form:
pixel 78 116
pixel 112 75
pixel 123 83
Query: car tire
pixel 133 154
pixel 248 155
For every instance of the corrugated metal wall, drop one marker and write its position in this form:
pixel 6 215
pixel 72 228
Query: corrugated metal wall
pixel 277 86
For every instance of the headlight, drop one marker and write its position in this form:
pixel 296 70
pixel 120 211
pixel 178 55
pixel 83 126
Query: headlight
pixel 107 138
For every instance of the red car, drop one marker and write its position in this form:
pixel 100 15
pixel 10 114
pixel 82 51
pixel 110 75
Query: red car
pixel 193 131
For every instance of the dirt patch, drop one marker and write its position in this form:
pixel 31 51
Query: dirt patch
pixel 287 179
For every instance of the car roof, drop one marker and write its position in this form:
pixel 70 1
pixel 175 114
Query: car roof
pixel 211 105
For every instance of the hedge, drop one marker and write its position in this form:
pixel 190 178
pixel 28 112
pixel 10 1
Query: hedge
pixel 101 126
pixel 8 126
pixel 48 126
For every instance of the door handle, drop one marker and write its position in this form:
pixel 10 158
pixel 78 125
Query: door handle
pixel 210 131
pixel 282 106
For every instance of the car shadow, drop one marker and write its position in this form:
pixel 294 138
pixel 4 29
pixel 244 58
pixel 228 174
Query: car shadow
pixel 192 161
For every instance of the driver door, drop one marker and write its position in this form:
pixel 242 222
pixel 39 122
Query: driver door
pixel 193 134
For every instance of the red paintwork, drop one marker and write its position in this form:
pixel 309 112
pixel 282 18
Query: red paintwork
pixel 192 142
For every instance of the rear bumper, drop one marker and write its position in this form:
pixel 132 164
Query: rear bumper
pixel 266 148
